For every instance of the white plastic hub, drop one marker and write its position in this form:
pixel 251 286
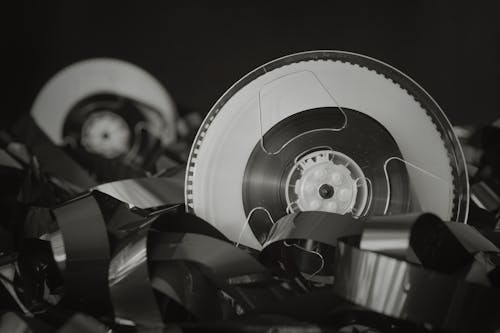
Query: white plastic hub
pixel 106 133
pixel 328 181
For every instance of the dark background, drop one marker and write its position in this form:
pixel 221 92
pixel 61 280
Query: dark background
pixel 198 50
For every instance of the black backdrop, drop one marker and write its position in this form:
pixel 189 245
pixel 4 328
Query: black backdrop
pixel 199 49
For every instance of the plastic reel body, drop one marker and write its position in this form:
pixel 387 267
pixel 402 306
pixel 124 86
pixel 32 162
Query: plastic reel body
pixel 104 100
pixel 324 101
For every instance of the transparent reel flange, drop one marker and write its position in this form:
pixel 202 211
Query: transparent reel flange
pixel 323 130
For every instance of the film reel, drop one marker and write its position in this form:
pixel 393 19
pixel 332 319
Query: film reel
pixel 323 130
pixel 107 112
pixel 89 79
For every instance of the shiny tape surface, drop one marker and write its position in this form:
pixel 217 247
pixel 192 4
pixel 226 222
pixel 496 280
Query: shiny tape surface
pixel 129 282
pixel 318 226
pixel 145 193
pixel 222 258
pixel 401 290
pixel 87 252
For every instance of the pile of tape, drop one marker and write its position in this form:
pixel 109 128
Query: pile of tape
pixel 111 226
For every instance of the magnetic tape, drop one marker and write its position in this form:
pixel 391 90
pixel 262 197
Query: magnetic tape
pixel 324 191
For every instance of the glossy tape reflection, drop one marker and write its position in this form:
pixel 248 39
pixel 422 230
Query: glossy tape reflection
pixel 305 241
pixel 317 226
pixel 222 258
pixel 391 234
pixel 130 287
pixel 58 250
pixel 146 193
pixel 241 278
pixel 83 251
pixel 399 289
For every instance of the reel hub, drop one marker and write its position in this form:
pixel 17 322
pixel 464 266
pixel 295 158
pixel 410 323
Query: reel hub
pixel 106 133
pixel 327 181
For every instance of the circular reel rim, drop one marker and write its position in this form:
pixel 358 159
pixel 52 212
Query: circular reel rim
pixel 458 158
pixel 114 76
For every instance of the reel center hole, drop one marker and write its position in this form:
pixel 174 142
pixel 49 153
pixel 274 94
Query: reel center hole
pixel 326 191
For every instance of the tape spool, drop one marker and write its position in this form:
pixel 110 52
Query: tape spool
pixel 93 77
pixel 114 118
pixel 280 104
